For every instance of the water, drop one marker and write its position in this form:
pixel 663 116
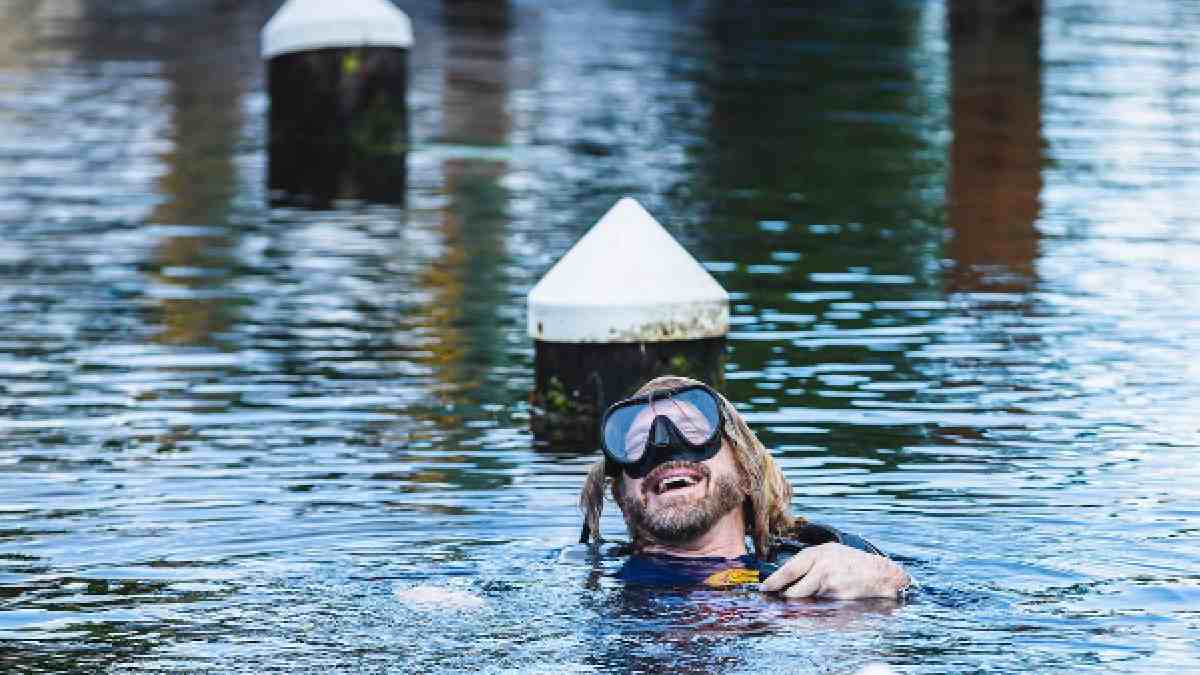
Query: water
pixel 244 439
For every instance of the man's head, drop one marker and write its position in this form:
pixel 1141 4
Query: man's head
pixel 678 500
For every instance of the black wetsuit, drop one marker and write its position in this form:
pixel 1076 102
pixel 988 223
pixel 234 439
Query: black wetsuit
pixel 669 570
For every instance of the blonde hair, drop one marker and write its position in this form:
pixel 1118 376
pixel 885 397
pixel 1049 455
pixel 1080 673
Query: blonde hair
pixel 767 510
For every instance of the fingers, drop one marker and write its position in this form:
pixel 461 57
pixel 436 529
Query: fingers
pixel 839 572
pixel 793 569
pixel 807 587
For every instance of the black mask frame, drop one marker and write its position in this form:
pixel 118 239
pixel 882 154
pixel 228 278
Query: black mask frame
pixel 665 442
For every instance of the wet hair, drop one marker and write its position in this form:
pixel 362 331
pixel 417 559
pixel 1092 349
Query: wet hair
pixel 767 511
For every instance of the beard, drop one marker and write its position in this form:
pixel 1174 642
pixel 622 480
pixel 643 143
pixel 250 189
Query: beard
pixel 680 520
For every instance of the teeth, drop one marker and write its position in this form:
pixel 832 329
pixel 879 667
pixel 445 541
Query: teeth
pixel 675 482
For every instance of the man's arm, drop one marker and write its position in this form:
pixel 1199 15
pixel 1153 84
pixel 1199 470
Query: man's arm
pixel 830 563
pixel 837 571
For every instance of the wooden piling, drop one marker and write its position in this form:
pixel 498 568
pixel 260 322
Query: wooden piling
pixel 337 80
pixel 625 304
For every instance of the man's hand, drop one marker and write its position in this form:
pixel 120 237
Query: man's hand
pixel 838 571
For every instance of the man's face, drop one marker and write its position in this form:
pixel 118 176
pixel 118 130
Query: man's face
pixel 679 501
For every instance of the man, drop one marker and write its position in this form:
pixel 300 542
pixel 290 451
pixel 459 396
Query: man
pixel 693 481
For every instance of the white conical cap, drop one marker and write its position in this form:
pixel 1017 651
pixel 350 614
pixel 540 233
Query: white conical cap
pixel 627 280
pixel 303 25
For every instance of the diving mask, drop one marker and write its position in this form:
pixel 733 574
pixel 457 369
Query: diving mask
pixel 684 424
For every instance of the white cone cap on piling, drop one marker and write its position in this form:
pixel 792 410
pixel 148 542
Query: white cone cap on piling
pixel 303 25
pixel 627 280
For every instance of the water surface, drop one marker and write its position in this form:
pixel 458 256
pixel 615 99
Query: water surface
pixel 236 438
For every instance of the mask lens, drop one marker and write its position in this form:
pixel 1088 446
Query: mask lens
pixel 619 433
pixel 694 412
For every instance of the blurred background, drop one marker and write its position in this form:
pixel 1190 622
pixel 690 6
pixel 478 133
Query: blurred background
pixel 962 254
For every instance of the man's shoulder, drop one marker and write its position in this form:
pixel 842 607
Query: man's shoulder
pixel 668 570
pixel 807 533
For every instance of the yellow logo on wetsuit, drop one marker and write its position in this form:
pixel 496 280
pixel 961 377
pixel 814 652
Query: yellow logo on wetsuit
pixel 732 577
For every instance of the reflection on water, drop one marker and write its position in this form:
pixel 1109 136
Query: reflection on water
pixel 962 259
pixel 468 279
pixel 996 155
pixel 198 189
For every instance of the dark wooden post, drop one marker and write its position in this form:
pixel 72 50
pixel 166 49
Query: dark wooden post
pixel 337 79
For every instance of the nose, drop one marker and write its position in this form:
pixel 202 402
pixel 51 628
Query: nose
pixel 659 435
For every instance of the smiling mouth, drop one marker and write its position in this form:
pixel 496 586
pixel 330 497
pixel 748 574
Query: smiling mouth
pixel 680 476
pixel 674 483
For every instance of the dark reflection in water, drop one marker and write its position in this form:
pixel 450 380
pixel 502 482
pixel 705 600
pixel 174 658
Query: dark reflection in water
pixel 475 90
pixel 996 156
pixel 823 158
pixel 962 262
pixel 194 256
pixel 470 276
